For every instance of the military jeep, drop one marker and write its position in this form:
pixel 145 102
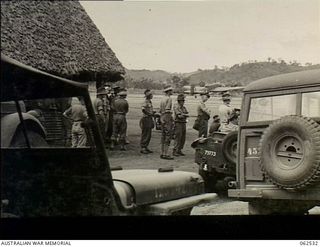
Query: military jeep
pixel 278 161
pixel 216 157
pixel 39 178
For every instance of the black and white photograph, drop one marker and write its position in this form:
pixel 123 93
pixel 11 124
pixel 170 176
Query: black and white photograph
pixel 196 110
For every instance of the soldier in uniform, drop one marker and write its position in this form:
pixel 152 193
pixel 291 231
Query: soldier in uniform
pixel 112 97
pixel 121 108
pixel 107 109
pixel 180 119
pixel 215 125
pixel 77 113
pixel 233 123
pixel 146 122
pixel 225 111
pixel 203 115
pixel 167 123
pixel 101 108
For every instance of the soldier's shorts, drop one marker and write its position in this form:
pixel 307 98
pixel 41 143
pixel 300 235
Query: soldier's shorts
pixel 119 127
pixel 167 128
pixel 78 135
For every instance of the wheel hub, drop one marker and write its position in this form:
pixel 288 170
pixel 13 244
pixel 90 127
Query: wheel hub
pixel 289 151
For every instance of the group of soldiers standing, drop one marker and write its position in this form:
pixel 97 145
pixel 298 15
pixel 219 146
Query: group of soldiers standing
pixel 173 123
pixel 174 118
pixel 111 108
pixel 225 121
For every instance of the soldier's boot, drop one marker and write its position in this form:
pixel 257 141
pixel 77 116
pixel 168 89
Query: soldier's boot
pixel 123 145
pixel 127 140
pixel 149 151
pixel 180 153
pixel 112 145
pixel 166 153
pixel 162 151
pixel 144 151
pixel 175 153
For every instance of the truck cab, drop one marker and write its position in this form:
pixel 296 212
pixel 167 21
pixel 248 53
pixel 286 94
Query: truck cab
pixel 278 156
pixel 42 178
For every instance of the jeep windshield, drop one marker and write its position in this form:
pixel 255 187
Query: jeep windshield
pixel 35 99
pixel 275 107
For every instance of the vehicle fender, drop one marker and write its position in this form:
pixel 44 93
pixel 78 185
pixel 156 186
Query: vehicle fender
pixel 11 122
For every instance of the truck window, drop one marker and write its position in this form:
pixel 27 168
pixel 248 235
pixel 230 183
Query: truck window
pixel 271 108
pixel 311 104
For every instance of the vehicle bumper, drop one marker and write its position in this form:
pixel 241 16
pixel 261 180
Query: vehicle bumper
pixel 174 206
pixel 273 193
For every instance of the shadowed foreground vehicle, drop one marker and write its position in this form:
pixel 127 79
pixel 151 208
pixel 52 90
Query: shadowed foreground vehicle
pixel 278 157
pixel 42 179
pixel 216 157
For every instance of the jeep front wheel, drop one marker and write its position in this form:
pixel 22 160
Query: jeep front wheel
pixel 290 153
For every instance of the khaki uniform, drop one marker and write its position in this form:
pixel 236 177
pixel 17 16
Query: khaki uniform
pixel 180 127
pixel 225 111
pixel 166 119
pixel 110 119
pixel 98 110
pixel 106 111
pixel 78 114
pixel 121 108
pixel 203 116
pixel 101 108
pixel 214 127
pixel 146 123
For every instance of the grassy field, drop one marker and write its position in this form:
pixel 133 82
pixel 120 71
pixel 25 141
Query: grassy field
pixel 132 158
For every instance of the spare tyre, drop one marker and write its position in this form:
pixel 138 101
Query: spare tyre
pixel 290 153
pixel 229 147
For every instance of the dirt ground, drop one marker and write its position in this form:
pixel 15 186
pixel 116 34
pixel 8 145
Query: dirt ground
pixel 132 158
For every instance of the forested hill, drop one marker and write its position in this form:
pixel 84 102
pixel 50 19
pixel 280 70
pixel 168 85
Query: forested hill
pixel 154 75
pixel 237 75
pixel 242 74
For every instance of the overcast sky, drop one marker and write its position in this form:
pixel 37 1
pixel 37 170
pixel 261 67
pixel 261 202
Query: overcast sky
pixel 182 36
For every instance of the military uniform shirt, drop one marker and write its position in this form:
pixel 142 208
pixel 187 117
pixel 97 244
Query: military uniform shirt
pixel 147 108
pixel 106 105
pixel 166 105
pixel 98 105
pixel 121 106
pixel 77 112
pixel 224 113
pixel 178 113
pixel 202 109
pixel 112 100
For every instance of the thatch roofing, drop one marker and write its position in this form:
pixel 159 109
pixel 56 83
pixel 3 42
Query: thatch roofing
pixel 57 37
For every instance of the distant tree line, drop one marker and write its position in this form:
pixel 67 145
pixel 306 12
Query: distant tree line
pixel 236 75
pixel 142 83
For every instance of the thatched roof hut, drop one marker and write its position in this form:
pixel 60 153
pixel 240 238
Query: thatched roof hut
pixel 57 37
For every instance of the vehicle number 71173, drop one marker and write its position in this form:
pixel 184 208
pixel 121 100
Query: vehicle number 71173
pixel 210 153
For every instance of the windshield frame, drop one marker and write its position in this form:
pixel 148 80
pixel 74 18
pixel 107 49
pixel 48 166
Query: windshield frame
pixel 22 82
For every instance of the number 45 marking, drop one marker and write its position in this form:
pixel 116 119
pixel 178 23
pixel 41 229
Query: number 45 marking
pixel 252 151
